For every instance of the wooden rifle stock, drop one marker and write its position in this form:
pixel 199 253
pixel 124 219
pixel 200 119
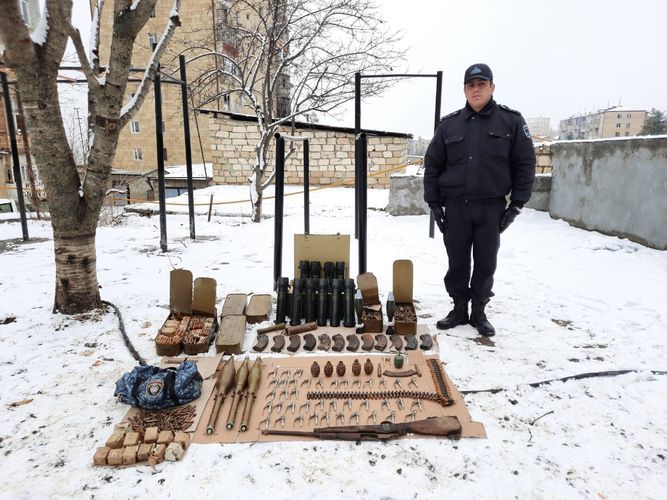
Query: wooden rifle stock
pixel 434 426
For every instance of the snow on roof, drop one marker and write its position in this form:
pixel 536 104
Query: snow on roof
pixel 199 170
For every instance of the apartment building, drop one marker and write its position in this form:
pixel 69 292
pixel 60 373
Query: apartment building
pixel 205 29
pixel 617 121
pixel 540 127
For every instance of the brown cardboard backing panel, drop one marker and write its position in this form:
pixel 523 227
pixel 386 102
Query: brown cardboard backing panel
pixel 402 281
pixel 232 334
pixel 180 291
pixel 207 367
pixel 323 248
pixel 284 365
pixel 203 300
pixel 234 304
pixel 259 308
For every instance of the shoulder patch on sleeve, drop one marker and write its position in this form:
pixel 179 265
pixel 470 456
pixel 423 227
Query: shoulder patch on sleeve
pixel 507 108
pixel 526 131
pixel 453 113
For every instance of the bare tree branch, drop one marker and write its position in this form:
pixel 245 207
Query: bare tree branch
pixel 81 54
pixel 131 108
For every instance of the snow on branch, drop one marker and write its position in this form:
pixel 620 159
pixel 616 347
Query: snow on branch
pixel 94 54
pixel 131 108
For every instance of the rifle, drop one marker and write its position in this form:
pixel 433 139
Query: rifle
pixel 433 426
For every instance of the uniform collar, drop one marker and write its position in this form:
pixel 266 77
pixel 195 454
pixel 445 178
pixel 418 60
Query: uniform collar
pixel 486 110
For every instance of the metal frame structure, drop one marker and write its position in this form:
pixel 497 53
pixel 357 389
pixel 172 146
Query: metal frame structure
pixel 361 164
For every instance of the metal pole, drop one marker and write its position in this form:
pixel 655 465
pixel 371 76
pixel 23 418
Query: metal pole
pixel 160 161
pixel 362 140
pixel 357 131
pixel 15 155
pixel 188 149
pixel 438 99
pixel 129 198
pixel 306 187
pixel 278 216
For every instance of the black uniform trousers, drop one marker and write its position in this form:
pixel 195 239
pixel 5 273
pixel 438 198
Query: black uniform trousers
pixel 472 224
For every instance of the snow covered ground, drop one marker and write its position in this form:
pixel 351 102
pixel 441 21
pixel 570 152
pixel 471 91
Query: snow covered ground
pixel 567 301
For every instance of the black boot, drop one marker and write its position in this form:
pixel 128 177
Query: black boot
pixel 479 321
pixel 457 316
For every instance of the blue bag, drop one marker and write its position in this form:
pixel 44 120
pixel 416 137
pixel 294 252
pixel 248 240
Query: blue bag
pixel 154 388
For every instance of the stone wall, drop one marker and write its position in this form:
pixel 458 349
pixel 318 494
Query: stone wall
pixel 233 140
pixel 617 187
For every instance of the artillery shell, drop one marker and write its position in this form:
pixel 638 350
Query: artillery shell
pixel 328 369
pixel 368 367
pixel 356 368
pixel 315 369
pixel 340 369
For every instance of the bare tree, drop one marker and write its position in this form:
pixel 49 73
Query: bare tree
pixel 293 58
pixel 75 200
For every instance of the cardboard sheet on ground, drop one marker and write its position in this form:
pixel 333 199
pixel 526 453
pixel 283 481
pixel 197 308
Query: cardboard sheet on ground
pixel 207 367
pixel 301 408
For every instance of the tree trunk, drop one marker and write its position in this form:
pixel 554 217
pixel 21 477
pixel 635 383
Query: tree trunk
pixel 76 275
pixel 257 206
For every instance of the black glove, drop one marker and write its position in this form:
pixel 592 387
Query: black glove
pixel 510 214
pixel 439 216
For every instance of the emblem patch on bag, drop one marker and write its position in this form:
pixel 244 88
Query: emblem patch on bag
pixel 154 387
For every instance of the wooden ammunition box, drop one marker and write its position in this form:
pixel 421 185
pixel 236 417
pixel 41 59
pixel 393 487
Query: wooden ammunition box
pixel 371 315
pixel 405 317
pixel 231 335
pixel 258 309
pixel 235 304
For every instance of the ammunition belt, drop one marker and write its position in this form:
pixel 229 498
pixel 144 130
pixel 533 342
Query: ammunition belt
pixel 429 396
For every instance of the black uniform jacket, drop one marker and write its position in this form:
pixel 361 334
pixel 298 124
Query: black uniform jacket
pixel 479 156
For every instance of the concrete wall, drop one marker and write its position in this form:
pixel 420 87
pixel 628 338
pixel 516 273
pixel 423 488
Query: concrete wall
pixel 617 187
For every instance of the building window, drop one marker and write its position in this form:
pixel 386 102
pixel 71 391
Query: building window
pixel 226 100
pixel 627 125
pixel 629 116
pixel 618 116
pixel 627 134
pixel 135 126
pixel 618 125
pixel 165 157
pixel 152 39
pixel 164 127
pixel 25 11
pixel 618 134
pixel 153 12
pixel 138 155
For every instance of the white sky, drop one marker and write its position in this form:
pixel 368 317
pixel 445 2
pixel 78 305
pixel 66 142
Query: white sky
pixel 552 59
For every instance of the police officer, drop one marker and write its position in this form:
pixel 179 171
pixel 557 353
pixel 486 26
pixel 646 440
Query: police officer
pixel 478 155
